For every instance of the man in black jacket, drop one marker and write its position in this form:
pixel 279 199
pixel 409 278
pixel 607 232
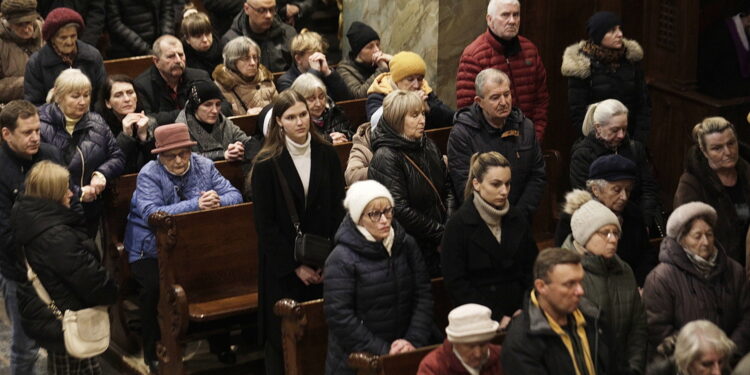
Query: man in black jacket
pixel 20 150
pixel 492 124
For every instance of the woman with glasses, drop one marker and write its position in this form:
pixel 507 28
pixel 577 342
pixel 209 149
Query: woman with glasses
pixel 487 249
pixel 695 279
pixel 609 281
pixel 377 291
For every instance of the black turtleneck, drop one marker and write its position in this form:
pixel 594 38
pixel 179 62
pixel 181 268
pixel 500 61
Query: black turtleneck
pixel 510 47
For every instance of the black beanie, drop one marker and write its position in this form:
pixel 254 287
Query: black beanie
pixel 201 91
pixel 359 35
pixel 600 23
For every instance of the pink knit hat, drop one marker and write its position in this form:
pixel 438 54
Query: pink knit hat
pixel 59 18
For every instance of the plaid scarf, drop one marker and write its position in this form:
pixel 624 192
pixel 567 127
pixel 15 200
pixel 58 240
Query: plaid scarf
pixel 607 56
pixel 68 58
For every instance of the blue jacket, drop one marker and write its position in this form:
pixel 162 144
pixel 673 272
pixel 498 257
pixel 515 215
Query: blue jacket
pixel 158 190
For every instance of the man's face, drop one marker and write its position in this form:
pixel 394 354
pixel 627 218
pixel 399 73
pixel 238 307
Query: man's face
pixel 506 21
pixel 24 30
pixel 564 290
pixel 171 63
pixel 260 14
pixel 614 194
pixel 497 101
pixel 25 140
pixel 473 354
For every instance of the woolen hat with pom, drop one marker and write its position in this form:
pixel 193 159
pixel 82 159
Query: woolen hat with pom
pixel 688 211
pixel 59 18
pixel 406 63
pixel 361 193
pixel 588 215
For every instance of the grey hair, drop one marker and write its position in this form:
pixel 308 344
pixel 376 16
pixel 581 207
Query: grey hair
pixel 236 49
pixel 695 338
pixel 307 84
pixel 490 74
pixel 600 183
pixel 156 47
pixel 601 113
pixel 493 6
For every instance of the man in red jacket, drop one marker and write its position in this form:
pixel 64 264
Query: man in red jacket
pixel 502 48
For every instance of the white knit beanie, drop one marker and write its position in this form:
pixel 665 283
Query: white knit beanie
pixel 588 215
pixel 683 214
pixel 361 193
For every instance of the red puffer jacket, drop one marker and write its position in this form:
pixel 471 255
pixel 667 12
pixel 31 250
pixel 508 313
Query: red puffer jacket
pixel 527 75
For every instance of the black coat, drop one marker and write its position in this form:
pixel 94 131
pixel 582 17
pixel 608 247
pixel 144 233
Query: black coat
pixel 45 65
pixel 14 169
pixel 516 141
pixel 373 299
pixel 275 43
pixel 319 214
pixel 218 11
pixel 92 11
pixel 153 93
pixel 421 210
pixel 134 25
pixel 478 269
pixel 66 261
pixel 335 85
pixel 206 61
pixel 334 120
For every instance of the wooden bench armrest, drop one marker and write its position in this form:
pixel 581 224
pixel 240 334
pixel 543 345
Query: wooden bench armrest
pixel 365 363
pixel 177 308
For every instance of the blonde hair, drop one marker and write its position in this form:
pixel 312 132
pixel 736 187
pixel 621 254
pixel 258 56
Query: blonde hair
pixel 398 104
pixel 47 180
pixel 308 41
pixel 695 338
pixel 601 113
pixel 479 165
pixel 307 84
pixel 69 81
pixel 711 125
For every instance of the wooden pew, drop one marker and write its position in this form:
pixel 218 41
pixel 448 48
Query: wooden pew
pixel 342 150
pixel 355 111
pixel 389 364
pixel 130 66
pixel 208 265
pixel 440 137
pixel 248 123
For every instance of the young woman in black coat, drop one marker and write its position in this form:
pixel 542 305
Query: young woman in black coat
pixel 488 250
pixel 54 241
pixel 312 171
pixel 377 292
pixel 410 166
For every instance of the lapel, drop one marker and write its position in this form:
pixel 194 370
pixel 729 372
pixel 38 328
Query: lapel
pixel 289 172
pixel 481 236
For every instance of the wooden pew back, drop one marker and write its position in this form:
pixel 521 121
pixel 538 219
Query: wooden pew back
pixel 248 123
pixel 440 137
pixel 304 336
pixel 343 150
pixel 355 111
pixel 389 364
pixel 130 66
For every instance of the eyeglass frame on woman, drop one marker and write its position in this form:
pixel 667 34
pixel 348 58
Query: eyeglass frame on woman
pixel 184 155
pixel 271 10
pixel 376 215
pixel 608 233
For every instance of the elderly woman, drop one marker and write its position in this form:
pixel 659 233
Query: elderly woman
pixel 308 48
pixel 366 61
pixel 327 118
pixel 62 50
pixel 605 131
pixel 377 292
pixel 607 66
pixel 410 166
pixel 717 175
pixel 83 137
pixel 246 84
pixel 133 130
pixel 701 348
pixel 178 181
pixel 696 280
pixel 488 246
pixel 72 274
pixel 202 48
pixel 407 71
pixel 20 36
pixel 609 281
pixel 216 136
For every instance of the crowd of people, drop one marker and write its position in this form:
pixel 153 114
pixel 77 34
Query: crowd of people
pixel 603 301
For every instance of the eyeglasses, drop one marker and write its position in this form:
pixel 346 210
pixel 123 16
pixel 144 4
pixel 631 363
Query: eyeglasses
pixel 609 234
pixel 270 10
pixel 376 215
pixel 184 154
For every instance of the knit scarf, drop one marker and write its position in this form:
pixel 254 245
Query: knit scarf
pixel 387 242
pixel 68 58
pixel 492 216
pixel 608 56
pixel 704 266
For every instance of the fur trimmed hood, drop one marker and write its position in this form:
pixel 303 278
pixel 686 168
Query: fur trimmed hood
pixel 577 64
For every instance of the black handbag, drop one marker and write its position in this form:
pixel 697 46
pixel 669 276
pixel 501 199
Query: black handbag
pixel 309 249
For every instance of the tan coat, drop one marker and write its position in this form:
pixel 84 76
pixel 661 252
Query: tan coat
pixel 243 95
pixel 359 156
pixel 14 54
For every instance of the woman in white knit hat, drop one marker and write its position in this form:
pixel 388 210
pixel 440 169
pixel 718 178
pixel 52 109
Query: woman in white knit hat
pixel 609 281
pixel 377 292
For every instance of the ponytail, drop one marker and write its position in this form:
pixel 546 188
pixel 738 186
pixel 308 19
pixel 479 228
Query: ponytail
pixel 600 113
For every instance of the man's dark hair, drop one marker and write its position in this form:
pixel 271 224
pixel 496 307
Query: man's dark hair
pixel 13 111
pixel 549 258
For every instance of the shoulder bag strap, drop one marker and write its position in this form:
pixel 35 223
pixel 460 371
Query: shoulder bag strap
pixel 40 291
pixel 437 194
pixel 287 197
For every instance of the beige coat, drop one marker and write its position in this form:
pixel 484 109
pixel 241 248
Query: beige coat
pixel 14 54
pixel 242 94
pixel 360 155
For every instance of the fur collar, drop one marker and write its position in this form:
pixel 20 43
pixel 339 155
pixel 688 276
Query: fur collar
pixel 230 79
pixel 577 64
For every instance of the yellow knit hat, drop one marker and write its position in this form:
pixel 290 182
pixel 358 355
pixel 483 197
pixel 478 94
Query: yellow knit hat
pixel 405 64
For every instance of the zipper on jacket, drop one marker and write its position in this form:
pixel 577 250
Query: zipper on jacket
pixel 83 167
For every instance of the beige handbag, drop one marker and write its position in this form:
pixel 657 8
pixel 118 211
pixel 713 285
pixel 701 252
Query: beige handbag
pixel 85 332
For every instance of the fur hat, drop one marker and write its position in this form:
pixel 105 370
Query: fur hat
pixel 600 23
pixel 589 215
pixel 58 18
pixel 172 136
pixel 201 91
pixel 361 193
pixel 688 211
pixel 17 11
pixel 404 64
pixel 612 167
pixel 471 323
pixel 359 35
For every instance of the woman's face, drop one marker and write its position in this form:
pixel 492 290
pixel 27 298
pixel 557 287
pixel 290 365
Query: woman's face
pixel 613 132
pixel 66 198
pixel 700 239
pixel 76 103
pixel 414 125
pixel 208 111
pixel 721 149
pixel 24 30
pixel 122 99
pixel 248 65
pixel 316 103
pixel 65 39
pixel 411 83
pixel 176 161
pixel 708 363
pixel 604 241
pixel 613 38
pixel 495 186
pixel 377 217
pixel 295 122
pixel 201 43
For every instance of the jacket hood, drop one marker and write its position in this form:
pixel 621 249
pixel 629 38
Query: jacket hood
pixel 577 64
pixel 36 215
pixel 385 136
pixel 472 116
pixel 383 84
pixel 671 252
pixel 348 235
pixel 229 79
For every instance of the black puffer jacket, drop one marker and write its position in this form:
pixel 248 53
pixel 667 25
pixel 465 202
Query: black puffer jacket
pixel 335 85
pixel 516 141
pixel 218 11
pixel 134 25
pixel 275 43
pixel 421 210
pixel 334 120
pixel 371 298
pixel 65 259
pixel 206 61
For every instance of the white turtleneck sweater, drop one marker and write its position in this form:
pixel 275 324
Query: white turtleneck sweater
pixel 300 154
